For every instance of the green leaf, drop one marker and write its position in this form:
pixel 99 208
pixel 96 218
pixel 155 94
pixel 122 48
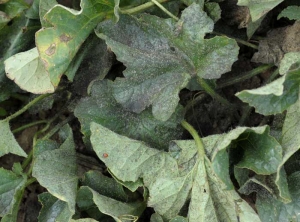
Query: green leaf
pixel 13 39
pixel 156 218
pixel 259 8
pixel 44 7
pixel 262 161
pixel 189 2
pixel 290 142
pixel 93 61
pixel 105 110
pixel 33 11
pixel 28 72
pixel 291 12
pixel 104 185
pixel 179 219
pixel 213 10
pixel 10 186
pixel 56 170
pixel 290 62
pixel 10 10
pixel 58 45
pixel 169 182
pixel 207 192
pixel 9 143
pixel 84 220
pixel 253 26
pixel 271 209
pixel 130 160
pixel 274 97
pixel 162 56
pixel 116 209
pixel 53 209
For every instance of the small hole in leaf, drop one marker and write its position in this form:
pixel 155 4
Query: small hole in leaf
pixel 172 49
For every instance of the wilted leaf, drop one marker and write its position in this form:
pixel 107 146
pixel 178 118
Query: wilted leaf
pixel 116 209
pixel 291 12
pixel 56 169
pixel 104 109
pixel 10 185
pixel 53 209
pixel 8 143
pixel 278 42
pixel 168 187
pixel 58 45
pixel 28 72
pixel 259 8
pixel 274 97
pixel 162 56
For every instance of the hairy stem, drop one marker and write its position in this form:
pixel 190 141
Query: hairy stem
pixel 164 10
pixel 140 7
pixel 57 127
pixel 244 76
pixel 29 125
pixel 243 42
pixel 197 138
pixel 212 92
pixel 27 106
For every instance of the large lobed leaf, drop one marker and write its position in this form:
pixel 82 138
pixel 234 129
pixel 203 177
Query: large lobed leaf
pixel 162 56
pixel 104 109
pixel 58 45
pixel 170 177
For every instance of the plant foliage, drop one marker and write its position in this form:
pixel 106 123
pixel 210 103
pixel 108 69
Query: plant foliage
pixel 115 95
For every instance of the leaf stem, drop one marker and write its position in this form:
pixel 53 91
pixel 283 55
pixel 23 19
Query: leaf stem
pixel 57 127
pixel 141 7
pixel 212 92
pixel 273 76
pixel 29 125
pixel 165 10
pixel 244 76
pixel 27 106
pixel 30 181
pixel 243 42
pixel 197 138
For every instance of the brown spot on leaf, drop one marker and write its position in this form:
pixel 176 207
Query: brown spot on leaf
pixel 64 38
pixel 105 155
pixel 51 50
pixel 45 63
